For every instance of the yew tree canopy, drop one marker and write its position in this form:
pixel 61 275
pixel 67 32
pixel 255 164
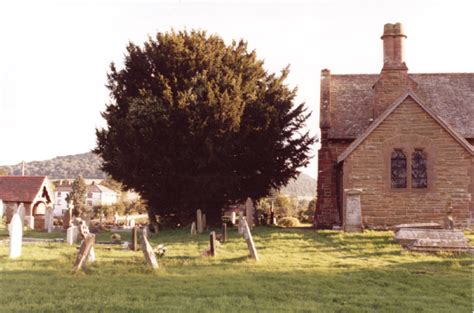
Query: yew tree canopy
pixel 195 123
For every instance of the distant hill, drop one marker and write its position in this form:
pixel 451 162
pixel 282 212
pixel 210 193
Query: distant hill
pixel 303 186
pixel 70 166
pixel 88 164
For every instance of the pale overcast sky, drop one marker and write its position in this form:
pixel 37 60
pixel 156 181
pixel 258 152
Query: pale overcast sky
pixel 55 54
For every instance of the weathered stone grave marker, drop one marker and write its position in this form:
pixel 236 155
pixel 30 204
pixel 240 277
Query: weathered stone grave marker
pixel 212 243
pixel 232 218
pixel 16 235
pixel 224 232
pixel 353 215
pixel 249 212
pixel 85 249
pixel 148 252
pixel 199 221
pixel 72 234
pixel 249 239
pixel 241 223
pixel 432 240
pixel 193 229
pixel 134 243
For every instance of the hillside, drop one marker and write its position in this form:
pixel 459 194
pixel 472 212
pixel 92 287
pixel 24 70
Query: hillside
pixel 303 186
pixel 87 165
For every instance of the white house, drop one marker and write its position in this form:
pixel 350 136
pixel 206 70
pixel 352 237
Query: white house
pixel 95 195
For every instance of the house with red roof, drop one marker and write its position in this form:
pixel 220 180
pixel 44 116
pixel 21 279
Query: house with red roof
pixel 35 194
pixel 402 142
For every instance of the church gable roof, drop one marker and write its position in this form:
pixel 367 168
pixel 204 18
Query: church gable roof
pixel 449 95
pixel 390 110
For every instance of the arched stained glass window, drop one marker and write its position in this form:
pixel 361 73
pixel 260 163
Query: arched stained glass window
pixel 398 167
pixel 419 176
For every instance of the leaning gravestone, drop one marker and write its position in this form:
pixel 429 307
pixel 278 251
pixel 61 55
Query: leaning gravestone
pixel 16 235
pixel 199 221
pixel 72 234
pixel 86 246
pixel 249 212
pixel 249 239
pixel 148 252
pixel 353 214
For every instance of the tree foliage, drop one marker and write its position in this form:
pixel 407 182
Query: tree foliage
pixel 195 123
pixel 78 196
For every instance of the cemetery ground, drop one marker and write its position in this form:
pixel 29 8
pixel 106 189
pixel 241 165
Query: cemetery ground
pixel 300 270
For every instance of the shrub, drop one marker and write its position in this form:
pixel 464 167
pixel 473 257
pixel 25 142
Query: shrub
pixel 288 221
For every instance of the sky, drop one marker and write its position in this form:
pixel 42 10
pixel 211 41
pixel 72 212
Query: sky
pixel 55 55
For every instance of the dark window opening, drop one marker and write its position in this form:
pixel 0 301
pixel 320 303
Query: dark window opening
pixel 398 169
pixel 419 176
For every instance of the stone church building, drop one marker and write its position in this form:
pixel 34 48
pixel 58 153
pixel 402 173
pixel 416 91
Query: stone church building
pixel 403 142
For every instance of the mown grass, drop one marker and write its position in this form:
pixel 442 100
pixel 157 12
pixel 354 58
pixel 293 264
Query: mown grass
pixel 299 271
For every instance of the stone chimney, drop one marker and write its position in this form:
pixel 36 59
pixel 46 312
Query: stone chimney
pixel 393 46
pixel 393 80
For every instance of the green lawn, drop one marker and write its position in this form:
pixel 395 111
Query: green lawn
pixel 299 271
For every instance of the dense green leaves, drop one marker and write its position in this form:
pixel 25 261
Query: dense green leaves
pixel 195 123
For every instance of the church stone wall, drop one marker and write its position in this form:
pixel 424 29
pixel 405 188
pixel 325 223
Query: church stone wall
pixel 450 172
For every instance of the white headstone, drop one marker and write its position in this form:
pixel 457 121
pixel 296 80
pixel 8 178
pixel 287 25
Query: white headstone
pixel 232 218
pixel 21 210
pixel 1 208
pixel 91 256
pixel 72 234
pixel 16 235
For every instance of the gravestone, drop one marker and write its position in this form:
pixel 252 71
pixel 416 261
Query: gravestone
pixel 72 234
pixel 232 218
pixel 48 219
pixel 16 235
pixel 1 208
pixel 193 228
pixel 249 239
pixel 224 232
pixel 249 212
pixel 212 243
pixel 272 215
pixel 85 249
pixel 204 224
pixel 241 223
pixel 353 214
pixel 199 221
pixel 134 244
pixel 148 252
pixel 432 239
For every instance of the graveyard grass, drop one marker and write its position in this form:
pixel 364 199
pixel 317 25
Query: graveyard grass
pixel 300 270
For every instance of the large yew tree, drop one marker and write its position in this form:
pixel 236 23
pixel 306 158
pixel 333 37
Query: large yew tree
pixel 194 123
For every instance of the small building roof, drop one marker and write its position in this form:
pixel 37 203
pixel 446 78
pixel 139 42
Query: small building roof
pixel 20 188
